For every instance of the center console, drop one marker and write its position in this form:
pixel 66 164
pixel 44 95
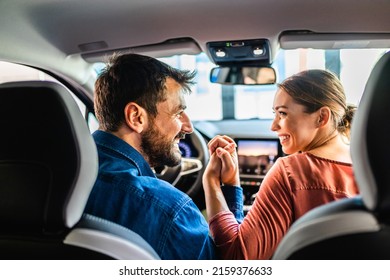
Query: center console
pixel 255 158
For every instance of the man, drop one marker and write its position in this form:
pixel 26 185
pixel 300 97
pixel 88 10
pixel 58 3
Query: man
pixel 139 103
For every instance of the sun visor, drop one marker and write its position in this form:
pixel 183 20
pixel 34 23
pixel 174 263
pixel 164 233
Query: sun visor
pixel 307 39
pixel 166 48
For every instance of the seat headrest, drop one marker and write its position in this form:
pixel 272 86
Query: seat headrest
pixel 370 137
pixel 48 159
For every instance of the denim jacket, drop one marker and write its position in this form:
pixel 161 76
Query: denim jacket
pixel 127 192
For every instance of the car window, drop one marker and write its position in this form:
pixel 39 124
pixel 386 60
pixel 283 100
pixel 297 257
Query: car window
pixel 11 72
pixel 210 101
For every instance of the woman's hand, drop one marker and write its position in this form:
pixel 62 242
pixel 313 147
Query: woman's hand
pixel 212 173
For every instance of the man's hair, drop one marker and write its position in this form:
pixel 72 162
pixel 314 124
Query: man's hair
pixel 133 78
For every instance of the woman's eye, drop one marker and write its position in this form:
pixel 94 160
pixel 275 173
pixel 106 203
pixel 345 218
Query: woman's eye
pixel 280 113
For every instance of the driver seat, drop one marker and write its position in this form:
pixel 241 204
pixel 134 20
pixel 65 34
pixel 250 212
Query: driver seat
pixel 359 227
pixel 48 165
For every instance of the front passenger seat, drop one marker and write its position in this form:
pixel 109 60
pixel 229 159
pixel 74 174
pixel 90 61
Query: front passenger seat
pixel 48 165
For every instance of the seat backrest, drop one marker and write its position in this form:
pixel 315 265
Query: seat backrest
pixel 111 239
pixel 359 227
pixel 48 165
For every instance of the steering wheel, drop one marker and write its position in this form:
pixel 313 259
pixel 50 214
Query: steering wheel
pixel 187 176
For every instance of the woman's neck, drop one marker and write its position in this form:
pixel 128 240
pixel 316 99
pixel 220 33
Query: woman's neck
pixel 333 148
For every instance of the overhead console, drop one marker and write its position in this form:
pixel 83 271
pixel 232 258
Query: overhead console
pixel 246 52
pixel 241 62
pixel 255 158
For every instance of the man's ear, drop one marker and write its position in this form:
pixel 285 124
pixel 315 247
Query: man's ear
pixel 324 116
pixel 135 117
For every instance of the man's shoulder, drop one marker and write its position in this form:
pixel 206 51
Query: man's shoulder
pixel 165 194
pixel 150 189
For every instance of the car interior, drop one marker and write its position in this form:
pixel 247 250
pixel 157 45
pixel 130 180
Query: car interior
pixel 52 51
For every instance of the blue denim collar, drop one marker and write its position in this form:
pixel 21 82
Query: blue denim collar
pixel 119 147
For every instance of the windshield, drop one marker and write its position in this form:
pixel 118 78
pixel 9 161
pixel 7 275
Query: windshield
pixel 209 101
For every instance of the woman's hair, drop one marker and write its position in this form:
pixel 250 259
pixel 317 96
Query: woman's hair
pixel 318 88
pixel 133 78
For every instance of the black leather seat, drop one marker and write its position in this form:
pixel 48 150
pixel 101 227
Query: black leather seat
pixel 48 165
pixel 355 228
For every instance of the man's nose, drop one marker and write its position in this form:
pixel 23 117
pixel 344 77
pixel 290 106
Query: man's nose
pixel 187 124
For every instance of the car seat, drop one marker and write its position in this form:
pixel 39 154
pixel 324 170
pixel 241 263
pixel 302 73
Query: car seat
pixel 48 165
pixel 358 227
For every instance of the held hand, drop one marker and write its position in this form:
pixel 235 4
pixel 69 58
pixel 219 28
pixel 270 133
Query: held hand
pixel 212 173
pixel 225 149
pixel 215 200
pixel 222 141
pixel 229 162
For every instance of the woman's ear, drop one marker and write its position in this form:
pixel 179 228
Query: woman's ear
pixel 135 117
pixel 324 116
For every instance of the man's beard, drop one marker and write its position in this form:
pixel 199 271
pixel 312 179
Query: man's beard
pixel 158 150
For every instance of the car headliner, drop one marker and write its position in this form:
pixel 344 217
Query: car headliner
pixel 58 35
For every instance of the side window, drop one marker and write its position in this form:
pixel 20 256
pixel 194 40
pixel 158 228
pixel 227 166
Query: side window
pixel 93 124
pixel 11 72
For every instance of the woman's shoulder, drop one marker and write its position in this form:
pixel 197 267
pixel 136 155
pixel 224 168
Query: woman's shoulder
pixel 307 158
pixel 293 158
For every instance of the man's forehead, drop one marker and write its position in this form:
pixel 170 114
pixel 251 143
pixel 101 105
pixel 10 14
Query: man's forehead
pixel 174 100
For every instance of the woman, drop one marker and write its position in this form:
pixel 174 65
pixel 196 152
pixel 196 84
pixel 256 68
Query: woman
pixel 312 121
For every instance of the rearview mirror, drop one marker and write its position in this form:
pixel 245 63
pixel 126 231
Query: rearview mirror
pixel 243 75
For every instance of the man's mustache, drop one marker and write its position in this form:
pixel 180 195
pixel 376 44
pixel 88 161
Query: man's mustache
pixel 181 135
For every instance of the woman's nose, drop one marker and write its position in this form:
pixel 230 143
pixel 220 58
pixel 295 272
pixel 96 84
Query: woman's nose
pixel 275 125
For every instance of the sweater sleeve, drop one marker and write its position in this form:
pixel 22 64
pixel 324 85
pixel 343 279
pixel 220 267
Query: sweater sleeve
pixel 263 227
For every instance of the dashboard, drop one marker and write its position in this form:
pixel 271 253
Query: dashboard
pixel 255 157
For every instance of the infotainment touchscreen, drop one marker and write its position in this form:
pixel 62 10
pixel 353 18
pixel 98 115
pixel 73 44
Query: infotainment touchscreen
pixel 256 156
